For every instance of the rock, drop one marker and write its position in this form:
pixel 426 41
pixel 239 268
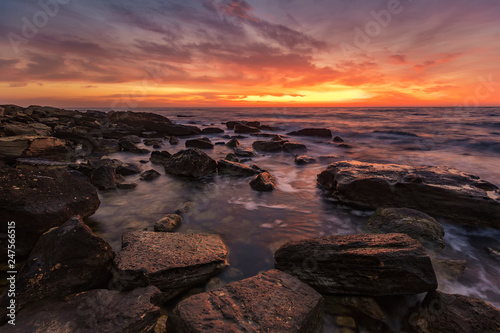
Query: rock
pixel 107 146
pixel 440 191
pixel 338 139
pixel 415 224
pixel 65 260
pixel 39 200
pixel 232 157
pixel 316 132
pixel 150 175
pixel 126 186
pixel 137 119
pixel 268 146
pixel 351 304
pixel 132 138
pixel 263 182
pixel 97 310
pixel 212 130
pixel 129 146
pixel 152 135
pixel 293 146
pixel 241 128
pixel 153 142
pixel 40 164
pixel 328 158
pixel 173 140
pixel 160 157
pixel 345 146
pixel 303 160
pixel 104 178
pixel 127 169
pixel 168 223
pixel 269 302
pixel 244 152
pixel 226 167
pixel 202 143
pixel 442 312
pixel 27 129
pixel 364 264
pixel 494 253
pixel 172 262
pixel 449 269
pixel 233 143
pixel 49 148
pixel 192 163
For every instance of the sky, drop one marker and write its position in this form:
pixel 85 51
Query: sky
pixel 214 53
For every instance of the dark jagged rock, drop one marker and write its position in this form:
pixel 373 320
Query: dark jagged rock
pixel 233 143
pixel 293 146
pixel 104 178
pixel 241 128
pixel 129 146
pixel 440 191
pixel 168 223
pixel 263 182
pixel 232 157
pixel 212 130
pixel 160 157
pixel 127 169
pixel 338 139
pixel 226 167
pixel 202 143
pixel 412 222
pixel 364 264
pixel 150 175
pixel 65 260
pixel 303 160
pixel 268 146
pixel 315 132
pixel 269 302
pixel 192 163
pixel 442 312
pixel 93 311
pixel 170 261
pixel 39 200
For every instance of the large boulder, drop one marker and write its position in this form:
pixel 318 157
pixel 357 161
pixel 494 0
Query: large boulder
pixel 192 163
pixel 93 311
pixel 39 200
pixel 170 261
pixel 226 167
pixel 315 132
pixel 263 182
pixel 442 312
pixel 364 264
pixel 65 260
pixel 412 222
pixel 269 302
pixel 441 191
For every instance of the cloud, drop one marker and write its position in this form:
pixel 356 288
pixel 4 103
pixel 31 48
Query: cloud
pixel 398 59
pixel 441 59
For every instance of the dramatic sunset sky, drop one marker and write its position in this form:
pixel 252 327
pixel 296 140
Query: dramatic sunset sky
pixel 125 54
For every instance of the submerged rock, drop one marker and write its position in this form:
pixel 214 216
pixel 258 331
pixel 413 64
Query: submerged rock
pixel 65 260
pixel 263 182
pixel 442 312
pixel 412 222
pixel 441 191
pixel 364 264
pixel 212 130
pixel 233 143
pixel 192 163
pixel 303 160
pixel 269 302
pixel 232 157
pixel 150 175
pixel 316 132
pixel 168 223
pixel 39 200
pixel 92 311
pixel 244 152
pixel 170 261
pixel 173 140
pixel 226 167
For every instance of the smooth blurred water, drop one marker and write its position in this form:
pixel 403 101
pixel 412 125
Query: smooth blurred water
pixel 254 225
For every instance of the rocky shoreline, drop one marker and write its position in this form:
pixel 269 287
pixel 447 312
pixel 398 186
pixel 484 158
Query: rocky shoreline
pixel 55 162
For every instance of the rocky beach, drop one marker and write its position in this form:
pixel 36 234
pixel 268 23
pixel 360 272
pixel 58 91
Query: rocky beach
pixel 238 221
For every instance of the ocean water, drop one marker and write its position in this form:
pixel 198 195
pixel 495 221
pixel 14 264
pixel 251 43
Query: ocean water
pixel 254 225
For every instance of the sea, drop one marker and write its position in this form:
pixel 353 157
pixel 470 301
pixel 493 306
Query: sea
pixel 254 225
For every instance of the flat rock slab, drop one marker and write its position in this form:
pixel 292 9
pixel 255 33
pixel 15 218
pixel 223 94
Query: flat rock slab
pixel 364 264
pixel 269 302
pixel 89 312
pixel 170 261
pixel 441 191
pixel 442 312
pixel 39 200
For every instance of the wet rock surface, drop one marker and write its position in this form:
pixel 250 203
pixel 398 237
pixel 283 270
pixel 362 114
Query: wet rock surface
pixel 202 143
pixel 93 311
pixel 226 167
pixel 441 191
pixel 160 157
pixel 263 182
pixel 442 312
pixel 150 175
pixel 191 163
pixel 40 200
pixel 364 264
pixel 170 261
pixel 269 302
pixel 168 223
